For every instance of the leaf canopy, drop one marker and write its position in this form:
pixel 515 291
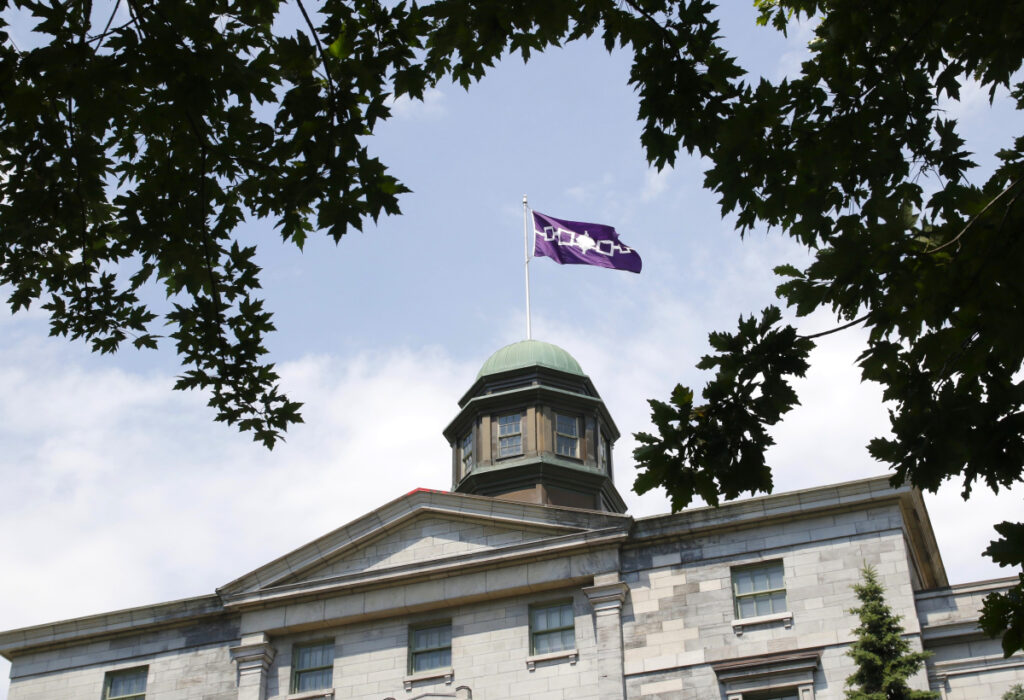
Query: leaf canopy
pixel 138 137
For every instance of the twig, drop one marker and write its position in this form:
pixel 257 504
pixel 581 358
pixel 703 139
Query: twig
pixel 843 327
pixel 648 16
pixel 976 217
pixel 110 21
pixel 320 46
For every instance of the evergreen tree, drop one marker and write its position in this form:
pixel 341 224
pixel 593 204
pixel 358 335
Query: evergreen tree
pixel 884 658
pixel 1014 693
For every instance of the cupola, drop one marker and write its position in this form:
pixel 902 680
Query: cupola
pixel 533 428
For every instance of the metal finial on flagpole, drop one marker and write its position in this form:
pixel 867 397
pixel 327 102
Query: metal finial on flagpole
pixel 526 264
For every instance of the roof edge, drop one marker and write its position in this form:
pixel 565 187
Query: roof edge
pixel 132 620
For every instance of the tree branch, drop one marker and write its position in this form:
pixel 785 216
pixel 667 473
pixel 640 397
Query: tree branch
pixel 843 327
pixel 320 47
pixel 976 217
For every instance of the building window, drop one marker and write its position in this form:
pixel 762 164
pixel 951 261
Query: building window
pixel 552 628
pixel 567 436
pixel 430 647
pixel 604 454
pixel 312 666
pixel 510 435
pixel 126 685
pixel 467 453
pixel 759 590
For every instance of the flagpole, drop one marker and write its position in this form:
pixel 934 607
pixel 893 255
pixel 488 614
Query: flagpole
pixel 526 263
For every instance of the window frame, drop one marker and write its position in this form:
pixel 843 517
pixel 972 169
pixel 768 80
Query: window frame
pixel 413 651
pixel 767 593
pixel 298 672
pixel 465 454
pixel 534 633
pixel 508 436
pixel 604 453
pixel 792 693
pixel 108 682
pixel 575 437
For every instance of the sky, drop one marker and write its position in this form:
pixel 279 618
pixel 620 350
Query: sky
pixel 116 491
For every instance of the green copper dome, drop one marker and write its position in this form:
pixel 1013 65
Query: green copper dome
pixel 528 353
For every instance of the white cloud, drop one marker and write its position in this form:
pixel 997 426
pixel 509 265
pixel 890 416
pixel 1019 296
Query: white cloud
pixel 577 192
pixel 111 477
pixel 798 36
pixel 655 182
pixel 118 492
pixel 432 106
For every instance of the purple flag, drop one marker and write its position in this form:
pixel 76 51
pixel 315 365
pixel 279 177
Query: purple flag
pixel 580 243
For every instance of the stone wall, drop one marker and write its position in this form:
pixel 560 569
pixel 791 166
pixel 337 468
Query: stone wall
pixel 490 650
pixel 965 664
pixel 187 663
pixel 680 618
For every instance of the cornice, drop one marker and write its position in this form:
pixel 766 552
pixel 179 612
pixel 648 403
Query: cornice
pixel 537 550
pixel 111 624
pixel 418 503
pixel 531 393
pixel 796 505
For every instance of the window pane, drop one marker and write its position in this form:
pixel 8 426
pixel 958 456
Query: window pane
pixel 467 452
pixel 565 425
pixel 751 586
pixel 313 664
pixel 550 618
pixel 424 661
pixel 432 637
pixel 431 648
pixel 554 641
pixel 509 425
pixel 537 620
pixel 314 680
pixel 131 682
pixel 314 656
pixel 541 643
pixel 565 446
pixel 553 628
pixel 510 446
pixel 779 601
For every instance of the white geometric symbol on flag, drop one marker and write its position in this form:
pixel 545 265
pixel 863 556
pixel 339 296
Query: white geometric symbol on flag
pixel 583 241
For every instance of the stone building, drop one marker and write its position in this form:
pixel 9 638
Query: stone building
pixel 529 580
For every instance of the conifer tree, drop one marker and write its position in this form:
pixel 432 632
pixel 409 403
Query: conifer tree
pixel 1014 693
pixel 884 658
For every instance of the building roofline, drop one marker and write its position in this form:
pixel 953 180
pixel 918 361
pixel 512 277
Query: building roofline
pixel 990 584
pixel 169 614
pixel 745 513
pixel 364 529
pixel 801 503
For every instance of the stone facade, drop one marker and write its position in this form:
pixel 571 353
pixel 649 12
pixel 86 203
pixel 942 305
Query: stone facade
pixel 650 602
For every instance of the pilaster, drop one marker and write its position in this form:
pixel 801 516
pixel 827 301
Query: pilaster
pixel 253 658
pixel 607 600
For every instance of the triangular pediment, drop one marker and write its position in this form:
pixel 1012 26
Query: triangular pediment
pixel 421 529
pixel 428 537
